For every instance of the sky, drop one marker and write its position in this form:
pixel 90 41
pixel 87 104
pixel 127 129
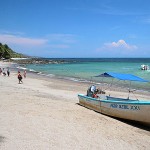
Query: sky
pixel 77 28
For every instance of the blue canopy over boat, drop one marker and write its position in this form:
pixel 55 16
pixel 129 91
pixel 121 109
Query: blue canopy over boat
pixel 121 76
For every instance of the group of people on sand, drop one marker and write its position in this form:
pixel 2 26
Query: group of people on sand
pixel 4 73
pixel 7 73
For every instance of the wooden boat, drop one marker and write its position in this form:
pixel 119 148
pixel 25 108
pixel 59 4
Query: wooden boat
pixel 136 110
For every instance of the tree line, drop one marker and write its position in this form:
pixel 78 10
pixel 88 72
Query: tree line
pixel 6 52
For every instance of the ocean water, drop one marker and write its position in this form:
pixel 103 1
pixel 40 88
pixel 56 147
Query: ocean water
pixel 84 69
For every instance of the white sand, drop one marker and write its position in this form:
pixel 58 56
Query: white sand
pixel 43 114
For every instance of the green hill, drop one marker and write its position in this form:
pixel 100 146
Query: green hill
pixel 7 53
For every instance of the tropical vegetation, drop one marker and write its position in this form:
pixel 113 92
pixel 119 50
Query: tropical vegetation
pixel 6 52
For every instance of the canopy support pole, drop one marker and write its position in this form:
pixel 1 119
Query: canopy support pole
pixel 129 89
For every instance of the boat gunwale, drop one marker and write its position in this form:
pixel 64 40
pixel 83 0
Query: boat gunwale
pixel 124 101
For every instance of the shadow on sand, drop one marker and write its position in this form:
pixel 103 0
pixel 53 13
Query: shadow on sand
pixel 133 123
pixel 2 139
pixel 130 122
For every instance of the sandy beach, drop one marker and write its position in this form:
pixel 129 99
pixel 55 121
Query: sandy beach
pixel 43 114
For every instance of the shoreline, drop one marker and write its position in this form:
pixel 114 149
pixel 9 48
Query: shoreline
pixel 116 88
pixel 43 113
pixel 105 85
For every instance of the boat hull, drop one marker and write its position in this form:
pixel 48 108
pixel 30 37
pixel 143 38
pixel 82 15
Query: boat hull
pixel 121 108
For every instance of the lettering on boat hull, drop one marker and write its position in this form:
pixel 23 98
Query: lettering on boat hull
pixel 124 106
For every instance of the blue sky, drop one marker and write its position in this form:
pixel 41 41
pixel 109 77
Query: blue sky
pixel 76 28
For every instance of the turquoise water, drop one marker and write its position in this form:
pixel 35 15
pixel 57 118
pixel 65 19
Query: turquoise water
pixel 85 69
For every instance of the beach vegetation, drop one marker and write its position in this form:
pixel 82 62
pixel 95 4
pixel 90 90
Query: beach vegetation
pixel 6 52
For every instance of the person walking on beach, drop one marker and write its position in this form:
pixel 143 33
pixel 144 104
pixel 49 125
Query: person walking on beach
pixel 25 73
pixel 8 72
pixel 4 73
pixel 20 77
pixel 0 71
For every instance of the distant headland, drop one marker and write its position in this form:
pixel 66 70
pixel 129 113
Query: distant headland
pixel 7 54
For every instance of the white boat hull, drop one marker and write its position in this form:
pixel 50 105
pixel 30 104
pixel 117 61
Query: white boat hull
pixel 121 108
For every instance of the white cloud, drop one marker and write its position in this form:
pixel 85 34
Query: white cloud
pixel 53 41
pixel 14 39
pixel 120 44
pixel 62 46
pixel 117 49
pixel 64 38
pixel 7 32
